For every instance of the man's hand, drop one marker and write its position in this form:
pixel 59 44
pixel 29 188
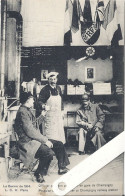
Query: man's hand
pixel 89 126
pixel 49 144
pixel 96 129
pixel 43 113
pixel 47 107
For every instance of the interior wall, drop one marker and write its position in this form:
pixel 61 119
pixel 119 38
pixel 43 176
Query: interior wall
pixel 104 36
pixel 37 22
pixel 43 22
pixel 32 69
pixel 43 29
pixel 103 70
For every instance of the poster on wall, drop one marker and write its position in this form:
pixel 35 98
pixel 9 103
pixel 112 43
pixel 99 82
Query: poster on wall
pixel 43 75
pixel 101 88
pixel 90 74
pixel 41 152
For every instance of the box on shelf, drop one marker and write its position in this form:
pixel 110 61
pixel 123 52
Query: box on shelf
pixel 119 89
pixel 75 90
pixel 101 88
pixel 80 90
pixel 71 90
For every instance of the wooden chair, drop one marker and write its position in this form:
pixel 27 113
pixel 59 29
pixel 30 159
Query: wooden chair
pixel 71 128
pixel 17 162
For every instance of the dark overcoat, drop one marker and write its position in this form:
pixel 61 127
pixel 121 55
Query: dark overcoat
pixel 29 136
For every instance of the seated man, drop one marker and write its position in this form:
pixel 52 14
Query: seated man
pixel 90 120
pixel 32 144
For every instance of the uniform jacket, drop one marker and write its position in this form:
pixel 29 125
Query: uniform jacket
pixel 29 136
pixel 93 115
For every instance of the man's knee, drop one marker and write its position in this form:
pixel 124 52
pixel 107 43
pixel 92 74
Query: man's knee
pixel 98 134
pixel 44 151
pixel 50 154
pixel 58 145
pixel 82 131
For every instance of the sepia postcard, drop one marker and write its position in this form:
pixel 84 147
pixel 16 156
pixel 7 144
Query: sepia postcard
pixel 62 98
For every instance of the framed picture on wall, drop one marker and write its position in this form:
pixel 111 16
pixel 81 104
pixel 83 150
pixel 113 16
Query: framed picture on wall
pixel 89 73
pixel 43 75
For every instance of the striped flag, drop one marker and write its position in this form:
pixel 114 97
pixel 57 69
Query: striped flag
pixel 87 15
pixel 89 32
pixel 110 12
pixel 68 21
pixel 68 15
pixel 99 14
pixel 77 14
pixel 110 23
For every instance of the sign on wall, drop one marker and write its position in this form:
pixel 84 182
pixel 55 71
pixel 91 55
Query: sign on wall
pixel 102 88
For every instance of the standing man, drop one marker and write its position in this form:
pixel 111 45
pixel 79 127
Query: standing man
pixel 32 144
pixel 50 101
pixel 90 120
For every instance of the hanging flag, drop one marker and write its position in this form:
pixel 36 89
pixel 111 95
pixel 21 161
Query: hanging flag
pixel 99 14
pixel 109 13
pixel 67 23
pixel 89 31
pixel 77 14
pixel 68 16
pixel 87 15
pixel 116 37
pixel 110 19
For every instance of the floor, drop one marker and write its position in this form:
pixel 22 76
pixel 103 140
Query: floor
pixel 16 175
pixel 112 173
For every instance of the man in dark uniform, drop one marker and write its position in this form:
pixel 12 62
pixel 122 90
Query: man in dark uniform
pixel 32 144
pixel 90 119
pixel 50 101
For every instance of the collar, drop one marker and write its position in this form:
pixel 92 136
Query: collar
pixel 29 109
pixel 23 105
pixel 52 86
pixel 89 107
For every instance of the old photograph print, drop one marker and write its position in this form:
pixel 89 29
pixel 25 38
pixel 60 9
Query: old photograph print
pixel 61 94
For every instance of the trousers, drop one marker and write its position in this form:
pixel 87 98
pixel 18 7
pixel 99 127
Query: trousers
pixel 45 155
pixel 96 138
pixel 60 152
